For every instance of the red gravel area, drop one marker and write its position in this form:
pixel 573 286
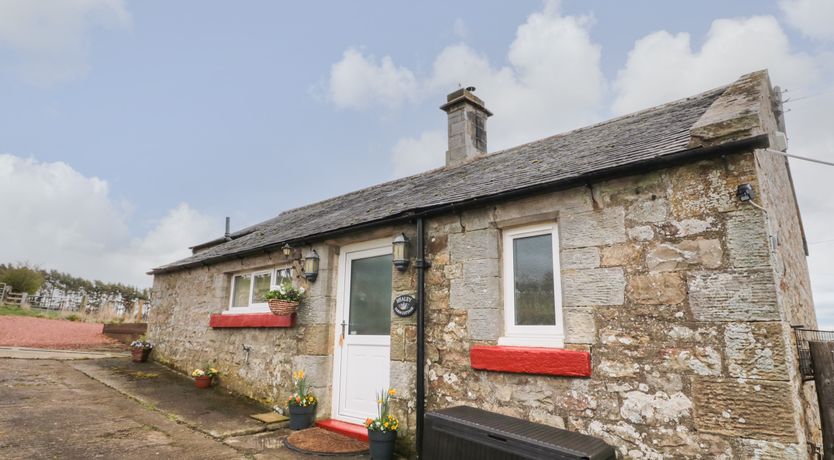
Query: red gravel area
pixel 21 331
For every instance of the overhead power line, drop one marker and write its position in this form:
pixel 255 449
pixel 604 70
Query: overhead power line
pixel 809 96
pixel 798 157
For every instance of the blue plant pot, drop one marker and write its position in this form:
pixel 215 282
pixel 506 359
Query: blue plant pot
pixel 381 444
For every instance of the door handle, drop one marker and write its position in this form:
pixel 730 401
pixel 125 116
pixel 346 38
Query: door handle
pixel 342 336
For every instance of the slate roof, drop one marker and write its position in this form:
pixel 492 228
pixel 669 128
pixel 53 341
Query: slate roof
pixel 643 136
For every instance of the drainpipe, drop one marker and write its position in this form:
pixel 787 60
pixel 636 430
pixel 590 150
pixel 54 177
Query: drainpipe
pixel 421 264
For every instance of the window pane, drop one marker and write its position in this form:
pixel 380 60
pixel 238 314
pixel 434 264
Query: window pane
pixel 240 295
pixel 533 269
pixel 262 283
pixel 370 296
pixel 283 275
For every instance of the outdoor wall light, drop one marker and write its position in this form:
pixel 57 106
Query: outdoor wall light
pixel 311 266
pixel 744 192
pixel 400 248
pixel 286 249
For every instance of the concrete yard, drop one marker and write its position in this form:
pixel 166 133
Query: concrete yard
pixel 54 407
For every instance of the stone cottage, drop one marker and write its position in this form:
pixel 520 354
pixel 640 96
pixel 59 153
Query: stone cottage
pixel 635 280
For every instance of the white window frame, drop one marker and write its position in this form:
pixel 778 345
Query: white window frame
pixel 531 336
pixel 259 307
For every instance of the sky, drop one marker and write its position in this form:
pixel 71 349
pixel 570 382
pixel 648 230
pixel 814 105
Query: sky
pixel 129 130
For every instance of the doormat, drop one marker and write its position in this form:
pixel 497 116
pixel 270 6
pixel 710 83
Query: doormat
pixel 323 442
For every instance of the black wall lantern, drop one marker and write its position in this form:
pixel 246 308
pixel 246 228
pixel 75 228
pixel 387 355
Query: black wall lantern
pixel 400 248
pixel 286 249
pixel 311 266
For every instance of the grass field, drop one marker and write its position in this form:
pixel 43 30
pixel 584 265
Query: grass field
pixel 14 310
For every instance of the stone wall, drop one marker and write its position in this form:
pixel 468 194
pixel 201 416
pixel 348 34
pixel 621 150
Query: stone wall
pixel 789 261
pixel 668 281
pixel 178 326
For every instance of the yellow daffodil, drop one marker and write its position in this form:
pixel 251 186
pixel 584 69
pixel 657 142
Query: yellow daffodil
pixel 392 392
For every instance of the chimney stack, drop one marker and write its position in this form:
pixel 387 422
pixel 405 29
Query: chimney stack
pixel 467 126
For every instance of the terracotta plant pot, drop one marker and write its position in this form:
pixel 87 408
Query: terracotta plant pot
pixel 381 444
pixel 140 355
pixel 302 417
pixel 282 307
pixel 202 382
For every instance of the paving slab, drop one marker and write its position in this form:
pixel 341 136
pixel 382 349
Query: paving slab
pixel 50 410
pixel 61 355
pixel 213 411
pixel 270 417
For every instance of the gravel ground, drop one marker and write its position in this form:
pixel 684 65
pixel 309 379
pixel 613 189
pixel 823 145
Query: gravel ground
pixel 21 331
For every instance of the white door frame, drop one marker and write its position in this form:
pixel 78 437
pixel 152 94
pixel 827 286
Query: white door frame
pixel 372 248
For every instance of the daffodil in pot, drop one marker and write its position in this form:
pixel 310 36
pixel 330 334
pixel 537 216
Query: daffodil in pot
pixel 203 376
pixel 284 300
pixel 301 404
pixel 382 430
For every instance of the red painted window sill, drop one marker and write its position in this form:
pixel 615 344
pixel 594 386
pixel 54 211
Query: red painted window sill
pixel 251 320
pixel 529 360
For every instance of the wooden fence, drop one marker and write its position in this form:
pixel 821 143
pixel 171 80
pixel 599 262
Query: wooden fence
pixel 59 301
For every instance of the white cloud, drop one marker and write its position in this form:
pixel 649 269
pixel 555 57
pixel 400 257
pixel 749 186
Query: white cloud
pixel 662 67
pixel 359 82
pixel 50 37
pixel 412 156
pixel 814 18
pixel 57 218
pixel 553 83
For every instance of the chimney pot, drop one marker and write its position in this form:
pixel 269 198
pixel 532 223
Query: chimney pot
pixel 467 117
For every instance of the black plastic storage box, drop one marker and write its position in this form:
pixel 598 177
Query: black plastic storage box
pixel 464 432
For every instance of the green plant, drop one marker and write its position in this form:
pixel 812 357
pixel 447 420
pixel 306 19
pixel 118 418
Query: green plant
pixel 301 394
pixel 206 371
pixel 14 310
pixel 73 317
pixel 143 342
pixel 22 279
pixel 285 292
pixel 384 421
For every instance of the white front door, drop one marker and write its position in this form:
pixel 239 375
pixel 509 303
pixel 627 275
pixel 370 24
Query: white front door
pixel 363 328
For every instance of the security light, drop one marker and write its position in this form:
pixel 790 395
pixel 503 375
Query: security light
pixel 744 192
